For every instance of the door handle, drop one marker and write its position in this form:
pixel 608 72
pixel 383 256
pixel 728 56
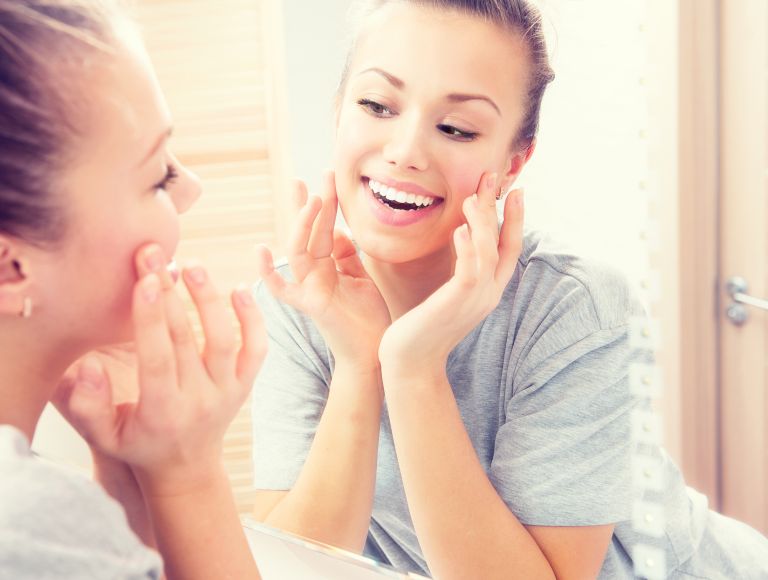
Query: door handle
pixel 736 312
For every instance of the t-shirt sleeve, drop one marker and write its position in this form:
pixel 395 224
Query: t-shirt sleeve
pixel 562 454
pixel 289 394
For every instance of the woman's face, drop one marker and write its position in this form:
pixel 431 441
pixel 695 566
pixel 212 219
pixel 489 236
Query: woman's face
pixel 122 189
pixel 432 101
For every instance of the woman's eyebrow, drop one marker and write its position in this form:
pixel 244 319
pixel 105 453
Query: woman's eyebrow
pixel 453 97
pixel 393 80
pixel 462 98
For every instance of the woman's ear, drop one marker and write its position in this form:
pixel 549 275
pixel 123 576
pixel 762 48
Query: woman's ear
pixel 15 282
pixel 515 164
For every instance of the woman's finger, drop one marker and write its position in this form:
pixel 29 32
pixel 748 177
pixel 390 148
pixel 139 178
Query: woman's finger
pixel 219 353
pixel 254 337
pixel 486 195
pixel 346 257
pixel 277 285
pixel 154 349
pixel 60 397
pixel 150 259
pixel 465 270
pixel 487 190
pixel 299 195
pixel 483 234
pixel 299 257
pixel 89 405
pixel 321 241
pixel 511 236
pixel 302 229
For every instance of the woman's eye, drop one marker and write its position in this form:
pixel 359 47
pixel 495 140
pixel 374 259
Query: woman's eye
pixel 456 133
pixel 170 176
pixel 376 109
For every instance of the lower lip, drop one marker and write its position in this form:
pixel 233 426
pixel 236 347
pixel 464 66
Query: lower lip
pixel 396 217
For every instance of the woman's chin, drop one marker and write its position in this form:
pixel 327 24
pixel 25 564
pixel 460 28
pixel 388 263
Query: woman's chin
pixel 392 251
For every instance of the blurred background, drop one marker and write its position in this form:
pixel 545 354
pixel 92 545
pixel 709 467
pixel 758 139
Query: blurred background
pixel 652 155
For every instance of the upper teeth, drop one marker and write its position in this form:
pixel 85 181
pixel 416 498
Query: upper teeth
pixel 393 194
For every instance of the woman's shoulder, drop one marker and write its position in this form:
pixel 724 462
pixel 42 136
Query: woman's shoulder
pixel 552 276
pixel 51 512
pixel 36 482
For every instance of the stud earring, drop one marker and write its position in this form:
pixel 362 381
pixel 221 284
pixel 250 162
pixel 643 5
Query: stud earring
pixel 26 308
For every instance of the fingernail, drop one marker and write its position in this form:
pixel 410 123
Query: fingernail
pixel 91 373
pixel 244 295
pixel 150 288
pixel 266 254
pixel 197 275
pixel 153 259
pixel 490 181
pixel 474 199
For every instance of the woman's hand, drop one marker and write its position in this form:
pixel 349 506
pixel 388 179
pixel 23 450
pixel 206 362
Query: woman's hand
pixel 172 435
pixel 485 261
pixel 331 286
pixel 117 366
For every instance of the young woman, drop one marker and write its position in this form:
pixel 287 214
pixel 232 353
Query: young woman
pixel 89 200
pixel 454 397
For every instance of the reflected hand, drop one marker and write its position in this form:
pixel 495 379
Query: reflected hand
pixel 485 262
pixel 331 285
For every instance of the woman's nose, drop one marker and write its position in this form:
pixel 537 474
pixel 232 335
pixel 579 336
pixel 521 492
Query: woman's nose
pixel 406 147
pixel 187 189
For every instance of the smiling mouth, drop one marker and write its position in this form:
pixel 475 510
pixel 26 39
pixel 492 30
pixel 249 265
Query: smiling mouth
pixel 400 200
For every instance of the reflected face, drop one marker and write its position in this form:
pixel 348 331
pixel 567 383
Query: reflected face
pixel 433 100
pixel 123 189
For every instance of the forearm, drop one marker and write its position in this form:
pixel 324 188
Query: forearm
pixel 198 531
pixel 332 499
pixel 464 527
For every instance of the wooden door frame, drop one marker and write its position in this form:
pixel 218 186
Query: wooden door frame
pixel 721 410
pixel 698 244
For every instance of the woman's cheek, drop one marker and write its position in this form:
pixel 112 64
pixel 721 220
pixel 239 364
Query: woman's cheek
pixel 353 148
pixel 166 230
pixel 465 180
pixel 352 140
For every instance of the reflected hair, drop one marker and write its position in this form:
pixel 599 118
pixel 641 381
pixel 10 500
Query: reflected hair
pixel 44 44
pixel 520 17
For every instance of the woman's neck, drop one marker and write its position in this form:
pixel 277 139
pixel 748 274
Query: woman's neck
pixel 30 370
pixel 406 285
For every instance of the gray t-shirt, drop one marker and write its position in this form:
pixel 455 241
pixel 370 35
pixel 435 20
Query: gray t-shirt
pixel 542 387
pixel 57 524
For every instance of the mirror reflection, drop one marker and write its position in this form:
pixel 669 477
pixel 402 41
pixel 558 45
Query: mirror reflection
pixel 497 302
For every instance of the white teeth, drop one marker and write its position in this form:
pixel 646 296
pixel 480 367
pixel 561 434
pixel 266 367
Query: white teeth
pixel 395 195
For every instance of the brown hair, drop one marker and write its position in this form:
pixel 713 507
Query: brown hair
pixel 42 43
pixel 518 16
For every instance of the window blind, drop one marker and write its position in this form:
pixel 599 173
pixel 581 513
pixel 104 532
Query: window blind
pixel 211 64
